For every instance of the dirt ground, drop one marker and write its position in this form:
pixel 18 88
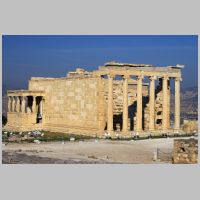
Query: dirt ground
pixel 89 152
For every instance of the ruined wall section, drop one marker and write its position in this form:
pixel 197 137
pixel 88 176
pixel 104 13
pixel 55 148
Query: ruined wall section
pixel 185 151
pixel 71 103
pixel 158 107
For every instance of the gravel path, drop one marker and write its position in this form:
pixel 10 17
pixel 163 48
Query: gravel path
pixel 88 152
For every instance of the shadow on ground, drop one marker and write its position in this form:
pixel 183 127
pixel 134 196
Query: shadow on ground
pixel 22 158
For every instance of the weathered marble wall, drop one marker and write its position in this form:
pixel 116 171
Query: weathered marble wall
pixel 71 103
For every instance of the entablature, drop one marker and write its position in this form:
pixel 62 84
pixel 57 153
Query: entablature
pixel 25 93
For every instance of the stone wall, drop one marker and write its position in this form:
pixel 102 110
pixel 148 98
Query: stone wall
pixel 71 103
pixel 22 122
pixel 185 151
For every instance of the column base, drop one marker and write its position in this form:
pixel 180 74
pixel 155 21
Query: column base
pixel 177 130
pixel 139 130
pixel 109 133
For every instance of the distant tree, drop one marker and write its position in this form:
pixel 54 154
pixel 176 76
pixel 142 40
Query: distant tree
pixel 4 120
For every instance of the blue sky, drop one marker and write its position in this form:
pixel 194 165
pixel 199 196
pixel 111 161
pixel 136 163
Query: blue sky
pixel 54 56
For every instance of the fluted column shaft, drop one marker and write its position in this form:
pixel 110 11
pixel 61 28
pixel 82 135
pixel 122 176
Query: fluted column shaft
pixel 177 104
pixel 165 103
pixel 110 104
pixel 152 103
pixel 139 104
pixel 125 103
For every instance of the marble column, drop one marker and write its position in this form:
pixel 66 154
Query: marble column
pixel 168 104
pixel 152 103
pixel 177 104
pixel 125 103
pixel 139 104
pixel 165 103
pixel 23 105
pixel 34 105
pixel 18 104
pixel 13 104
pixel 110 104
pixel 9 104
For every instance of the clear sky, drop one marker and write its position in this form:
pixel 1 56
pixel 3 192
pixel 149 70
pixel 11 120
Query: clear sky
pixel 54 56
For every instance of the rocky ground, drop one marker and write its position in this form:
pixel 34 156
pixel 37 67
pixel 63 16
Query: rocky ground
pixel 89 152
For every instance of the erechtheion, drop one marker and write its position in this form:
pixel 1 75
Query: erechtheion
pixel 118 98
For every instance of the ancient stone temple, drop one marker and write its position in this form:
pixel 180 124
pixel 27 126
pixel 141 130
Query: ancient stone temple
pixel 118 98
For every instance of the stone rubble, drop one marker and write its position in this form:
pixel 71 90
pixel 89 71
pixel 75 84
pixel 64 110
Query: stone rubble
pixel 185 151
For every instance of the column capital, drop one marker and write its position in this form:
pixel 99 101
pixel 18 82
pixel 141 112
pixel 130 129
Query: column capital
pixel 111 76
pixel 152 78
pixel 126 76
pixel 166 77
pixel 178 79
pixel 140 76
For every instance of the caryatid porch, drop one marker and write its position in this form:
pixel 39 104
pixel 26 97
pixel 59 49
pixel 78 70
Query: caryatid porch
pixel 165 74
pixel 28 104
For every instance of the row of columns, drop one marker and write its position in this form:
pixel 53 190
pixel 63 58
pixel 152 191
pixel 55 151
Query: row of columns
pixel 14 104
pixel 166 103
